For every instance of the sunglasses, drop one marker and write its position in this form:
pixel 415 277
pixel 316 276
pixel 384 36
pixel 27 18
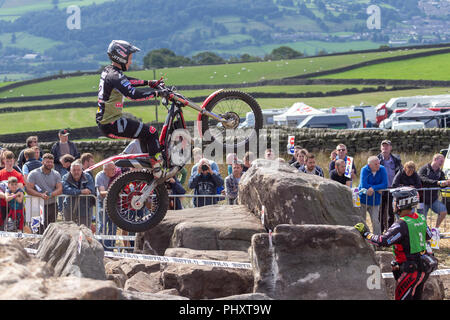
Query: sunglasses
pixel 341 149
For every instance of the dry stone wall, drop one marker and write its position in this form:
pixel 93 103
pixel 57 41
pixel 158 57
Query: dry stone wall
pixel 316 140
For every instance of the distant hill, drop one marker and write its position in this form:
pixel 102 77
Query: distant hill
pixel 188 27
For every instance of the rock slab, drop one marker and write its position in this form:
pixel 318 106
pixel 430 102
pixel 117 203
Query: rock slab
pixel 314 262
pixel 293 197
pixel 202 282
pixel 62 249
pixel 207 228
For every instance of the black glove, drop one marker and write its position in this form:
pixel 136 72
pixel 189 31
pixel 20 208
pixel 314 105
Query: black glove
pixel 163 93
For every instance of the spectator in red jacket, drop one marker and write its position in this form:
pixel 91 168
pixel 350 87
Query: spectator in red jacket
pixel 5 174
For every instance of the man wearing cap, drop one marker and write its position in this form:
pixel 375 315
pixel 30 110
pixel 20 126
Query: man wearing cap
pixel 63 147
pixel 392 164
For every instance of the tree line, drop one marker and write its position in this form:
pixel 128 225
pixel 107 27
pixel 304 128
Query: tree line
pixel 161 58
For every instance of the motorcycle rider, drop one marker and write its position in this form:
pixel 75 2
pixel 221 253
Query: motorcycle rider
pixel 413 260
pixel 114 86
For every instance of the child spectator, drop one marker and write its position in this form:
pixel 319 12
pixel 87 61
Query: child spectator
pixel 8 170
pixel 38 153
pixel 30 162
pixel 3 154
pixel 14 197
pixel 31 142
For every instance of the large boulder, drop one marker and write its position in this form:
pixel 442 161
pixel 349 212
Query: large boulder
pixel 207 228
pixel 26 278
pixel 203 282
pixel 314 262
pixel 434 287
pixel 59 247
pixel 293 197
pixel 61 288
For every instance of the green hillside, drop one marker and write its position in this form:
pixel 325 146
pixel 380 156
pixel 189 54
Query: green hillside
pixel 232 27
pixel 13 9
pixel 212 74
pixel 434 67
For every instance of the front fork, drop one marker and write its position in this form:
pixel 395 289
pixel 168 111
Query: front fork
pixel 199 109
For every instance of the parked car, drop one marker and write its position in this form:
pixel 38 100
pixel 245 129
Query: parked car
pixel 335 121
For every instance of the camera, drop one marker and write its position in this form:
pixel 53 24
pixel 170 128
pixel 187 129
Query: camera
pixel 205 167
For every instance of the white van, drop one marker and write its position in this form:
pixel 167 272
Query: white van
pixel 409 102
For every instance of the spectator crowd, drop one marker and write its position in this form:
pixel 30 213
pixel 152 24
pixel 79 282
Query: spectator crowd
pixel 58 180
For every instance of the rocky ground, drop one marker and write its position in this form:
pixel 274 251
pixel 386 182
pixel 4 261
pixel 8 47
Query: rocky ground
pixel 320 257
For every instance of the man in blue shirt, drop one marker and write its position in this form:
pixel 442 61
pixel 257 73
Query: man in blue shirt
pixel 373 178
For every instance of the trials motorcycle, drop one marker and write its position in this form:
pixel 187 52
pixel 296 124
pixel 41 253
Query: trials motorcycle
pixel 137 200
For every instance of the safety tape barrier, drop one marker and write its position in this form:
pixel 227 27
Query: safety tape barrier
pixel 198 262
pixel 213 263
pixel 31 251
pixel 124 238
pixel 6 234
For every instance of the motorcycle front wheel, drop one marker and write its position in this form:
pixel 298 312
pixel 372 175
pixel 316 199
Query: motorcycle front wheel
pixel 235 106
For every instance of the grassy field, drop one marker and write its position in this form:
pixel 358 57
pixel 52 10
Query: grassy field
pixel 217 74
pixel 306 47
pixel 84 117
pixel 197 93
pixel 434 67
pixel 70 118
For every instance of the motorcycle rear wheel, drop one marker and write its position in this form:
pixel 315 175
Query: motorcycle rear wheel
pixel 119 202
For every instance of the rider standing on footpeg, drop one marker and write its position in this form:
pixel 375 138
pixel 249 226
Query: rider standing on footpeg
pixel 413 258
pixel 113 88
